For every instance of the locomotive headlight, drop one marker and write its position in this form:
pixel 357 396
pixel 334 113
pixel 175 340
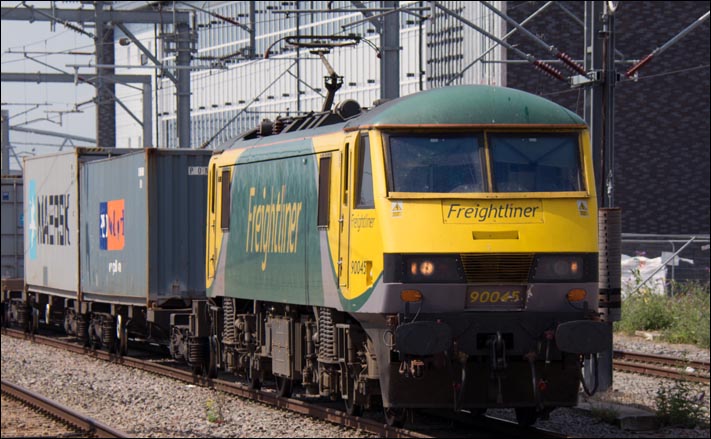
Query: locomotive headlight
pixel 413 269
pixel 422 268
pixel 426 268
pixel 554 268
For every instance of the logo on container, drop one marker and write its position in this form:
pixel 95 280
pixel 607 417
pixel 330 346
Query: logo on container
pixel 112 225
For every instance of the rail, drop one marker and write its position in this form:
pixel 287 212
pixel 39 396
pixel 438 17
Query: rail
pixel 83 423
pixel 661 366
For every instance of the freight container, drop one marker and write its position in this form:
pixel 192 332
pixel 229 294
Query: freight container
pixel 12 229
pixel 52 216
pixel 143 228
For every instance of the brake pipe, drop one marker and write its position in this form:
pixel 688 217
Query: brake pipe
pixel 644 61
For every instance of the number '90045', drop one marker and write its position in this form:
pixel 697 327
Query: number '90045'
pixel 494 296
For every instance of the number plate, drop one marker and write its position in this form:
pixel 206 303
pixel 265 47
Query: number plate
pixel 496 297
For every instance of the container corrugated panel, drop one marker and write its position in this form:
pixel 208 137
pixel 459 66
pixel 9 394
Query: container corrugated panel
pixel 51 212
pixel 13 259
pixel 144 227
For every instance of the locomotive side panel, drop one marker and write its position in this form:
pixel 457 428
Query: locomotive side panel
pixel 293 208
pixel 262 237
pixel 273 250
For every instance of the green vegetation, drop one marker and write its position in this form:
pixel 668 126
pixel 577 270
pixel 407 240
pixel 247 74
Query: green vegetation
pixel 683 318
pixel 676 405
pixel 214 410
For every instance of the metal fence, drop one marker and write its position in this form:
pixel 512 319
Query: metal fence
pixel 663 260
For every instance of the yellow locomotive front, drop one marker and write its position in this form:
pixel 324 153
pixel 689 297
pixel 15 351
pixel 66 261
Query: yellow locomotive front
pixel 485 214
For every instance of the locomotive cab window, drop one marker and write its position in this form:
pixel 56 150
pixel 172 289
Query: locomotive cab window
pixel 437 163
pixel 536 163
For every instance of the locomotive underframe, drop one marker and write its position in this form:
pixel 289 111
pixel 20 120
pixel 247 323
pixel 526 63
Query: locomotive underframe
pixel 355 357
pixel 520 365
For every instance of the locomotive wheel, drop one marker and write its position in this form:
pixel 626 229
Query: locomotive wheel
pixel 526 416
pixel 253 380
pixel 395 417
pixel 211 369
pixel 352 408
pixel 284 386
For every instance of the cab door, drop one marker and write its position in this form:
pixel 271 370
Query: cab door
pixel 346 196
pixel 211 259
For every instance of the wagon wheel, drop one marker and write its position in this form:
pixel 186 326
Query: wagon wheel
pixel 526 416
pixel 121 341
pixel 34 320
pixel 94 341
pixel 395 417
pixel 284 386
pixel 83 331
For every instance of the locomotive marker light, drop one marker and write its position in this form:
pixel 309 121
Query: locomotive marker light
pixel 410 296
pixel 576 295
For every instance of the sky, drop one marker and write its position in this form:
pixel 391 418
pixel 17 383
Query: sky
pixel 45 105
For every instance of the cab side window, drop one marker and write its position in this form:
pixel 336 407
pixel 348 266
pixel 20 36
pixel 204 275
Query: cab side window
pixel 226 204
pixel 364 191
pixel 324 191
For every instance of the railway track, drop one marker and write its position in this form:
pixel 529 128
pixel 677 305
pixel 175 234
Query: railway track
pixel 661 366
pixel 454 426
pixel 79 425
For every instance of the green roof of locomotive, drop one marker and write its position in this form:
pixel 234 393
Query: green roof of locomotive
pixel 436 108
pixel 467 105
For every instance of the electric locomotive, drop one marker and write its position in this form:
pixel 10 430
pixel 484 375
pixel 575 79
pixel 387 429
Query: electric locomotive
pixel 436 251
